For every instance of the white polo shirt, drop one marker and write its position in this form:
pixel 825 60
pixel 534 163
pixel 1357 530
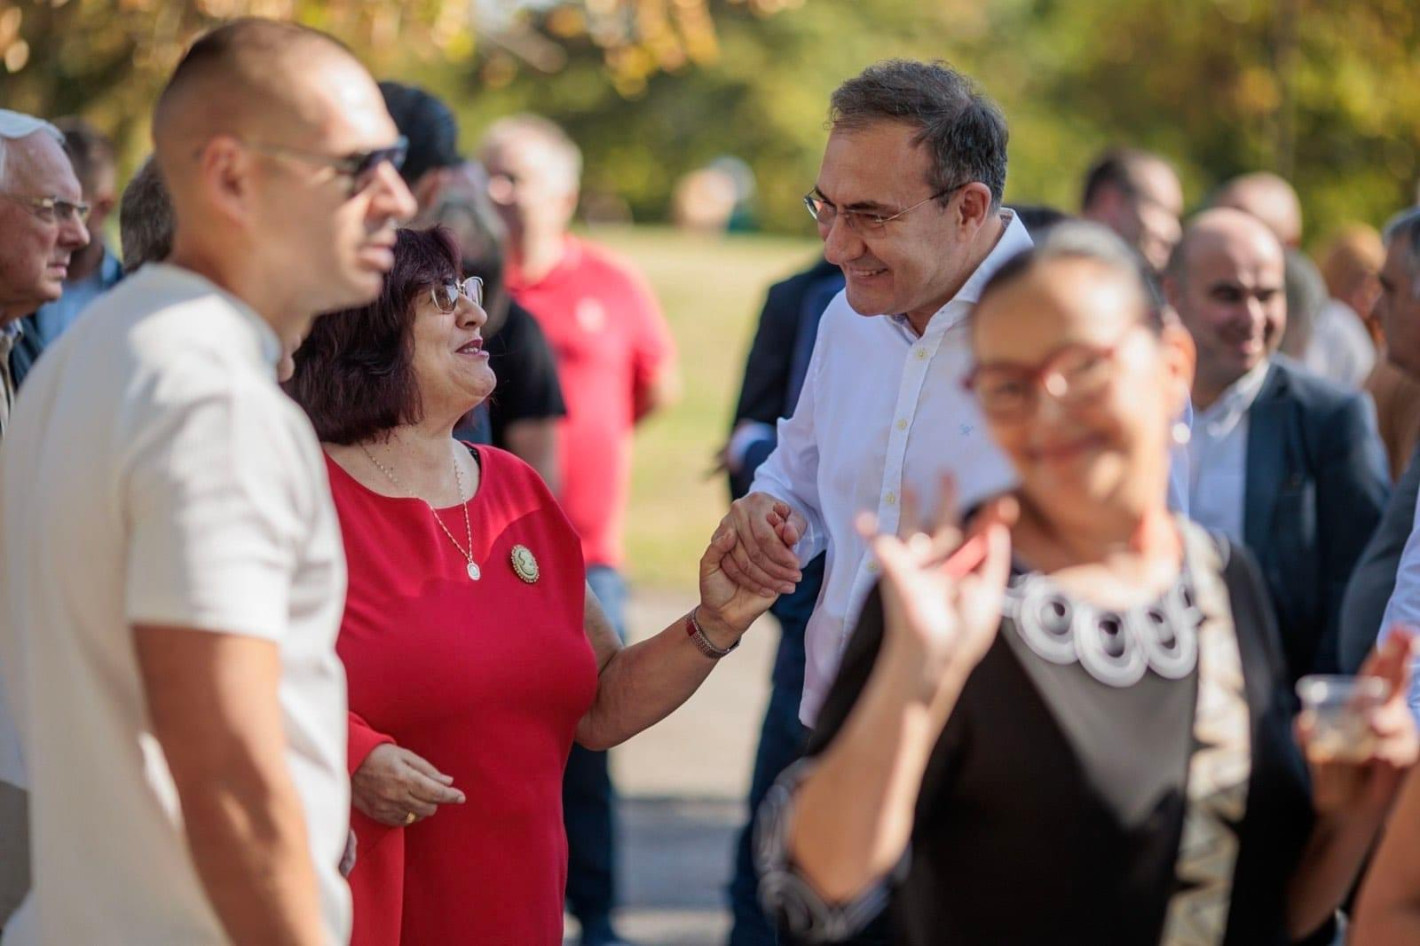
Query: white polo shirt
pixel 153 473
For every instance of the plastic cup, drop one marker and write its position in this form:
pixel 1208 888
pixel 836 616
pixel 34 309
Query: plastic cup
pixel 1339 709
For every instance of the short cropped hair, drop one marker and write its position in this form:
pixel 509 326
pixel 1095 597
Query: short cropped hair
pixel 542 129
pixel 90 151
pixel 145 218
pixel 15 126
pixel 962 129
pixel 1092 242
pixel 354 372
pixel 1117 168
pixel 1404 228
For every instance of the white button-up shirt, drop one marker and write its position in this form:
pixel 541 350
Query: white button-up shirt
pixel 1404 605
pixel 1217 457
pixel 882 409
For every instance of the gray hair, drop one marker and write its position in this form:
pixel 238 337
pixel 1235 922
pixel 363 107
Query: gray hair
pixel 145 218
pixel 1306 294
pixel 1092 242
pixel 963 130
pixel 543 130
pixel 1405 227
pixel 15 126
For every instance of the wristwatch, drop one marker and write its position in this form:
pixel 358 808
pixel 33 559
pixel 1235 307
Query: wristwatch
pixel 702 643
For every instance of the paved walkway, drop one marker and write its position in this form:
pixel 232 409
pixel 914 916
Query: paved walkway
pixel 683 784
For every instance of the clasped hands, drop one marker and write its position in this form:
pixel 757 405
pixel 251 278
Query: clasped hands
pixel 942 584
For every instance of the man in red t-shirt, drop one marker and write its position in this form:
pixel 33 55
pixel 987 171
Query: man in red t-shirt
pixel 616 363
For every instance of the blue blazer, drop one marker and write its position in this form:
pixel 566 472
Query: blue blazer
pixel 1315 489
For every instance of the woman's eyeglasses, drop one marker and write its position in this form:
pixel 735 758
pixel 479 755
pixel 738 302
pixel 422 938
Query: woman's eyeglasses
pixel 446 295
pixel 1074 375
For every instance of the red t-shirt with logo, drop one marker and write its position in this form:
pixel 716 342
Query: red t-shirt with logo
pixel 610 339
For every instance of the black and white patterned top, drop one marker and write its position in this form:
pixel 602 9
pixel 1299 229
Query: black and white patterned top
pixel 1052 809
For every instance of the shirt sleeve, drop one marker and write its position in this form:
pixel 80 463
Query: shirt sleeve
pixel 1404 605
pixel 219 496
pixel 363 739
pixel 790 473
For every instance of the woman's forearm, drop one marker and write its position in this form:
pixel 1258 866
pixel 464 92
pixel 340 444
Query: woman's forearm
pixel 853 814
pixel 642 684
pixel 1330 862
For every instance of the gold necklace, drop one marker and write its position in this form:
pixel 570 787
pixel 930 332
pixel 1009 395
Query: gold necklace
pixel 473 570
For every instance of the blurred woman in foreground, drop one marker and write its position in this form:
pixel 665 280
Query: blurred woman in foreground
pixel 1091 741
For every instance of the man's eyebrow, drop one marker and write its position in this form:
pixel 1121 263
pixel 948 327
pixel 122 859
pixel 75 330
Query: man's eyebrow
pixel 871 206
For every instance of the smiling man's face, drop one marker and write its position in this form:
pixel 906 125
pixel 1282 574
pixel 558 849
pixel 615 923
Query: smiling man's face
pixel 36 245
pixel 915 263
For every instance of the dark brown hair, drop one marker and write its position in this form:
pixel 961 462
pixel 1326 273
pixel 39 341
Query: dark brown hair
pixel 962 128
pixel 355 371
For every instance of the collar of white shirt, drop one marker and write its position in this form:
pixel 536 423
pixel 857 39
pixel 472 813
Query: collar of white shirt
pixel 1223 414
pixel 1014 239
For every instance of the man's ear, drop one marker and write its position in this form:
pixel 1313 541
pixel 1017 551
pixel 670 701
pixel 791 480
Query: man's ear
pixel 224 176
pixel 974 207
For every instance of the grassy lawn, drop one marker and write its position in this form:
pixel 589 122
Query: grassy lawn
pixel 712 290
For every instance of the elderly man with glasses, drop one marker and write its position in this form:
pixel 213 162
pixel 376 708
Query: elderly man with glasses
pixel 41 226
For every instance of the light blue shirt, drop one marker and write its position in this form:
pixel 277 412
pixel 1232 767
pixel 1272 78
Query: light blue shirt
pixel 53 318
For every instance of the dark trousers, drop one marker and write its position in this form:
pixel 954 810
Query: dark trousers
pixel 781 740
pixel 589 798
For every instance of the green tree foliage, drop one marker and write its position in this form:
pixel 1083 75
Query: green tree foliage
pixel 1326 92
pixel 1323 91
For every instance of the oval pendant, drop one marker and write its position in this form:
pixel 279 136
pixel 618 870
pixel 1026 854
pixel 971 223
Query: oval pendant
pixel 524 564
pixel 473 571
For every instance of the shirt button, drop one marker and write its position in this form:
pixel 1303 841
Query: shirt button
pixel 890 498
pixel 902 423
pixel 872 566
pixel 921 352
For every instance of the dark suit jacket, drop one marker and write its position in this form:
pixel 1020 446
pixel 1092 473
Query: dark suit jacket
pixel 769 392
pixel 26 351
pixel 1372 582
pixel 1316 485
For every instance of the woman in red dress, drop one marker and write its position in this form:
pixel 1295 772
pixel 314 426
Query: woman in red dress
pixel 474 651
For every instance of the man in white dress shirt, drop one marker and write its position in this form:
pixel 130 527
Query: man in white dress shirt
pixel 908 204
pixel 1283 462
pixel 171 573
pixel 1399 311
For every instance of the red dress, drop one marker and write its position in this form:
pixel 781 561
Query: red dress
pixel 486 679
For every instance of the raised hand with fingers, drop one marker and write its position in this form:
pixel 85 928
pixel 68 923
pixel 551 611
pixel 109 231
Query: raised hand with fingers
pixel 1365 784
pixel 765 531
pixel 396 787
pixel 942 591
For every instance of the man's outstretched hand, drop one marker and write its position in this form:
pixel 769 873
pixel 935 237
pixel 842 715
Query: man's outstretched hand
pixel 765 531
